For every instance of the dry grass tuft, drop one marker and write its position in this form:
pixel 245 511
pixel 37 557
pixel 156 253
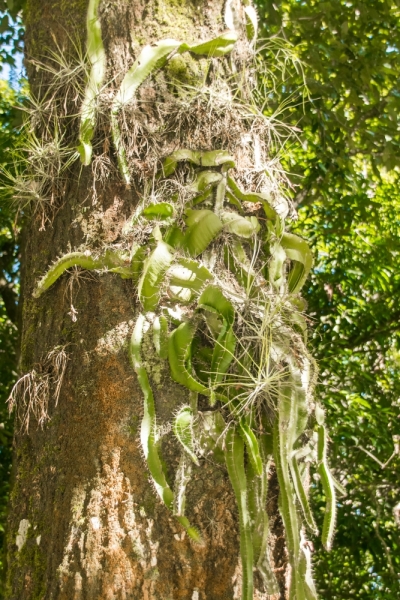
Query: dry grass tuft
pixel 31 395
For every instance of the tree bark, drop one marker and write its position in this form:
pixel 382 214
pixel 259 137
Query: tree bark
pixel 85 522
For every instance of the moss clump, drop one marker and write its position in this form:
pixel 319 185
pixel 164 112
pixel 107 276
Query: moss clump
pixel 185 70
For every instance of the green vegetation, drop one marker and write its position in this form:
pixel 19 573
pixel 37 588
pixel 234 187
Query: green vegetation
pixel 9 266
pixel 346 174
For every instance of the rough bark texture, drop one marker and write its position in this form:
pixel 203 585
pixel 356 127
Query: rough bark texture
pixel 85 522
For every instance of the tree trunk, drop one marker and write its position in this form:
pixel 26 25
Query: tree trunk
pixel 86 522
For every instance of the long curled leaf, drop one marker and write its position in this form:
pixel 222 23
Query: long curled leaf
pixel 257 497
pixel 160 336
pixel 219 46
pixel 253 449
pixel 179 352
pixel 212 158
pixel 97 60
pixel 76 259
pixel 234 456
pixel 154 270
pixel 328 484
pixel 299 251
pixel 265 199
pixel 148 425
pixel 302 496
pixel 203 227
pixel 182 478
pixel 183 430
pixel 281 452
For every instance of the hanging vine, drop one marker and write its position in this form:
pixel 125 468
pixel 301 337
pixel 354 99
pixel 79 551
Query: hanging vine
pixel 219 279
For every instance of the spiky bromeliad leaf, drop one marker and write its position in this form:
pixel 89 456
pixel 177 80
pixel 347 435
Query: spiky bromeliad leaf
pixel 283 433
pixel 276 266
pixel 161 210
pixel 257 486
pixel 182 478
pixel 237 261
pixel 234 456
pixel 328 483
pixel 203 227
pixel 251 23
pixel 212 299
pixel 212 158
pixel 253 197
pixel 179 353
pixel 147 431
pixel 97 60
pixel 298 251
pixel 219 46
pixel 183 430
pixel 189 273
pixel 253 449
pixel 149 59
pixel 160 336
pixel 148 426
pixel 154 270
pixel 76 259
pixel 245 227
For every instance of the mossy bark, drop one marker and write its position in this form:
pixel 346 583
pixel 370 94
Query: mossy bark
pixel 85 522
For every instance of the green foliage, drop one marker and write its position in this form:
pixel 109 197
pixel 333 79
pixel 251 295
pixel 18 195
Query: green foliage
pixel 353 298
pixel 9 288
pixel 11 31
pixel 350 56
pixel 345 167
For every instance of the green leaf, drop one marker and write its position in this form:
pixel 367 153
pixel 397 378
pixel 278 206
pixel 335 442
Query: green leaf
pixel 179 353
pixel 245 227
pixel 234 456
pixel 183 430
pixel 151 57
pixel 204 180
pixel 110 260
pixel 203 227
pixel 213 299
pixel 147 430
pixel 189 274
pixel 97 60
pixel 154 270
pixel 254 197
pixel 252 446
pixel 212 158
pixel 161 210
pixel 219 46
pixel 298 251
